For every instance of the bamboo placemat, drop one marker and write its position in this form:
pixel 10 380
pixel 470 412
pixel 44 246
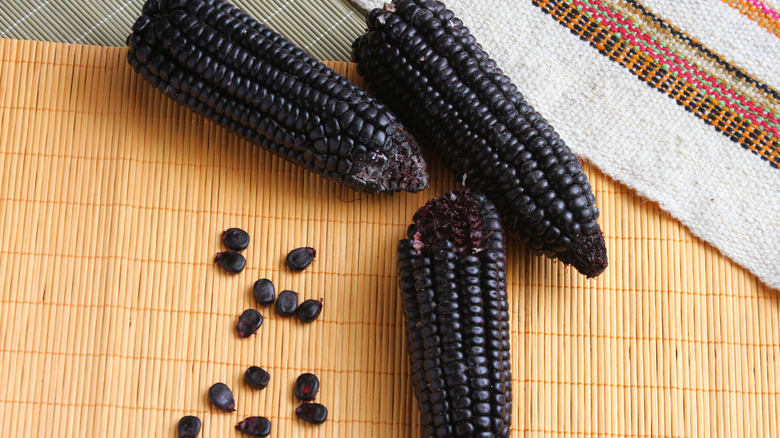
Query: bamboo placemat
pixel 115 321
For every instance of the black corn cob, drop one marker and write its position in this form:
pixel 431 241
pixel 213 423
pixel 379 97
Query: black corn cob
pixel 215 59
pixel 452 276
pixel 425 64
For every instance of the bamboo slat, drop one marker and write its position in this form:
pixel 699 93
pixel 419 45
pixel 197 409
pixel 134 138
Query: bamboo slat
pixel 115 321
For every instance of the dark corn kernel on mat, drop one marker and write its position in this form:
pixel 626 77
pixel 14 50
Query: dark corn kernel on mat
pixel 115 321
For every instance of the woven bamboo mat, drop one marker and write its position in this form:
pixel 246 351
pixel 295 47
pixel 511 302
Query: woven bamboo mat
pixel 115 321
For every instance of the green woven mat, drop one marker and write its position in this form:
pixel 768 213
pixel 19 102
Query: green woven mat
pixel 325 28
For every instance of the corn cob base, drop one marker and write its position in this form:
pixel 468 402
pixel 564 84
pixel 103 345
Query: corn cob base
pixel 216 60
pixel 424 63
pixel 453 280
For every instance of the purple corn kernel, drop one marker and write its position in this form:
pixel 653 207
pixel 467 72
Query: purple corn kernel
pixel 235 239
pixel 255 426
pixel 287 303
pixel 231 261
pixel 248 323
pixel 264 292
pixel 188 427
pixel 221 397
pixel 309 310
pixel 299 258
pixel 314 413
pixel 306 387
pixel 256 377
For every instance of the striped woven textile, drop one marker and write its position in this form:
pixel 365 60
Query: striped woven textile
pixel 722 94
pixel 678 100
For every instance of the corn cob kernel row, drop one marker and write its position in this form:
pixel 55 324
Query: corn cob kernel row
pixel 483 127
pixel 452 279
pixel 213 58
pixel 395 93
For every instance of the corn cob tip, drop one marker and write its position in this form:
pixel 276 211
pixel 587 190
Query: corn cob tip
pixel 456 217
pixel 406 168
pixel 587 254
